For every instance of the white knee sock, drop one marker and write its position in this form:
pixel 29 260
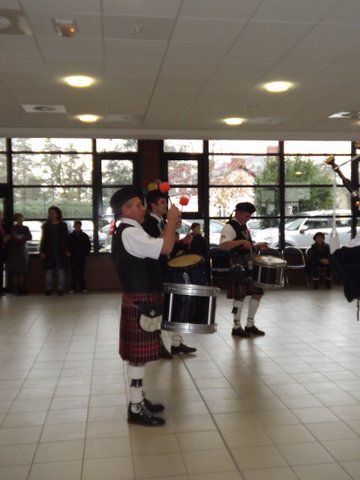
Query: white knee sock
pixel 136 373
pixel 253 306
pixel 237 308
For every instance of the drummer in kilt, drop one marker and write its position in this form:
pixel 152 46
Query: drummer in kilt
pixel 136 257
pixel 235 238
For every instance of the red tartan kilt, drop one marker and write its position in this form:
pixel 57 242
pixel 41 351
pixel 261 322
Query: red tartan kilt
pixel 136 345
pixel 239 290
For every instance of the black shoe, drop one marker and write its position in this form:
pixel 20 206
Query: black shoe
pixel 239 332
pixel 48 292
pixel 153 407
pixel 182 349
pixel 144 417
pixel 254 331
pixel 164 353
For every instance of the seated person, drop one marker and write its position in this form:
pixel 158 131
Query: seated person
pixel 318 258
pixel 198 244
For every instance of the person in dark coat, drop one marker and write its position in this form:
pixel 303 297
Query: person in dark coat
pixel 53 244
pixel 4 238
pixel 198 244
pixel 17 260
pixel 79 247
pixel 318 258
pixel 136 258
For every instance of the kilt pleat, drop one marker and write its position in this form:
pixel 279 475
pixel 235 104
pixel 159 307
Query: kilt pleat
pixel 136 345
pixel 239 289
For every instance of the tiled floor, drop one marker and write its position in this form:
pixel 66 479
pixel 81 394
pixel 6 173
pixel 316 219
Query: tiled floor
pixel 282 407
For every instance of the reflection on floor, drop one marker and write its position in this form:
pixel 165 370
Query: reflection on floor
pixel 282 407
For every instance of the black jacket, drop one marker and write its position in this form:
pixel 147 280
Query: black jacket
pixel 46 245
pixel 79 245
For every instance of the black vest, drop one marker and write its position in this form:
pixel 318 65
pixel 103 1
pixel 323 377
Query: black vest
pixel 137 275
pixel 242 233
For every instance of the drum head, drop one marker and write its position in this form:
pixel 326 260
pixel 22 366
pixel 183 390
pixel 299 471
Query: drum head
pixel 269 261
pixel 185 261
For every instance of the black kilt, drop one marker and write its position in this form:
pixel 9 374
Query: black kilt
pixel 136 345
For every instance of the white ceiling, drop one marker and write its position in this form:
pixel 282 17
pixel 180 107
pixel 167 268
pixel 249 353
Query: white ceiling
pixel 193 63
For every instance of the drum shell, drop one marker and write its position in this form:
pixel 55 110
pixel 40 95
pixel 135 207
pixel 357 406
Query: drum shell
pixel 268 272
pixel 190 308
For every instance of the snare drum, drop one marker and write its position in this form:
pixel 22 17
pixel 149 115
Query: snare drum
pixel 190 308
pixel 268 271
pixel 186 269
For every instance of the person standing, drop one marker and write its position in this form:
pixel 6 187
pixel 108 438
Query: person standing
pixel 79 247
pixel 53 244
pixel 4 238
pixel 157 207
pixel 236 239
pixel 136 258
pixel 17 261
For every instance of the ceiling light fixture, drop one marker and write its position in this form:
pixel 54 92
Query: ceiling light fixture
pixel 88 118
pixel 79 81
pixel 277 87
pixel 65 28
pixel 233 121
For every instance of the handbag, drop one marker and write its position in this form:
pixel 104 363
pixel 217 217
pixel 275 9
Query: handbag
pixel 150 316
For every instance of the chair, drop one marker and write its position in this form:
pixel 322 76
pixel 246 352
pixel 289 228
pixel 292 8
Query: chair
pixel 219 261
pixel 295 260
pixel 272 252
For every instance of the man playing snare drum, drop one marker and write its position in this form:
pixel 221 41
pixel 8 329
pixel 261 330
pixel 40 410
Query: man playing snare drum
pixel 235 238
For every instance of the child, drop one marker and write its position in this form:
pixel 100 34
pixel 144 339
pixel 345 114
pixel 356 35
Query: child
pixel 78 249
pixel 319 259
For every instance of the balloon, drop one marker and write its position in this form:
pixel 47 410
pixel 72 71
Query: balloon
pixel 145 191
pixel 157 181
pixel 184 201
pixel 164 187
pixel 152 186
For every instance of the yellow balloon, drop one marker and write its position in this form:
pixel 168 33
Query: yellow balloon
pixel 152 186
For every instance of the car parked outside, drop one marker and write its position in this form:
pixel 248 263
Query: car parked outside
pixel 299 232
pixel 34 226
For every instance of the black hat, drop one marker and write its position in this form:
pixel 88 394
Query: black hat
pixel 154 195
pixel 245 207
pixel 122 196
pixel 318 234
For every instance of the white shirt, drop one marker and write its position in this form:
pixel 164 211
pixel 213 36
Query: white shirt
pixel 138 243
pixel 227 233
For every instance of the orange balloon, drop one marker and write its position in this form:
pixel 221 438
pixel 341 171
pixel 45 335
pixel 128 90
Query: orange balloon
pixel 184 201
pixel 164 187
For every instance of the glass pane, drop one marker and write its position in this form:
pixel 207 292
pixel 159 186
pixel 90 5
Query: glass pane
pixel 106 210
pixel 322 147
pixel 104 235
pixel 183 172
pixel 318 200
pixel 52 169
pixel 117 171
pixel 243 170
pixel 32 245
pixel 223 200
pixel 116 145
pixel 182 146
pixel 265 230
pixel 51 144
pixel 3 170
pixel 313 170
pixel 2 144
pixel 243 146
pixel 191 194
pixel 34 202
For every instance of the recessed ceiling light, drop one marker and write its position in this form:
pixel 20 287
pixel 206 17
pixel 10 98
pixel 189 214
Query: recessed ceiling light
pixel 276 87
pixel 234 121
pixel 88 118
pixel 79 81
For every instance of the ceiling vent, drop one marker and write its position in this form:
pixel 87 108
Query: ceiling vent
pixel 44 108
pixel 353 115
pixel 13 22
pixel 122 117
pixel 65 28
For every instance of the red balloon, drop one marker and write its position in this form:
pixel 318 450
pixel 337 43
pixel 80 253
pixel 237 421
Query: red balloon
pixel 184 201
pixel 164 187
